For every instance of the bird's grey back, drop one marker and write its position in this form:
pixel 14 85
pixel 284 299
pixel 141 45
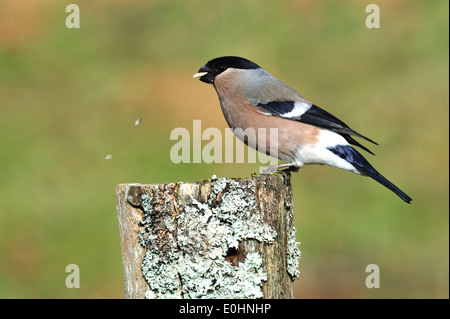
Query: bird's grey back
pixel 262 87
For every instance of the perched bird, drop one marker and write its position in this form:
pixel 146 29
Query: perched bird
pixel 251 98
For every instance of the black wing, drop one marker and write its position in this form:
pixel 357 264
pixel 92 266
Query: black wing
pixel 314 115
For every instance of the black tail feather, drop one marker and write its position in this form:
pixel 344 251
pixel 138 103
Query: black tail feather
pixel 354 142
pixel 363 166
pixel 385 182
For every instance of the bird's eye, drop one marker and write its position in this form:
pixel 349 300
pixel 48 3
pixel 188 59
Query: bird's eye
pixel 222 68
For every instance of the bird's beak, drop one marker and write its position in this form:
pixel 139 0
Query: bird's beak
pixel 199 74
pixel 204 74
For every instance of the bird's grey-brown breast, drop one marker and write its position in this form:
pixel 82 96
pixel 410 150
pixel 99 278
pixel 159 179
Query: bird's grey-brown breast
pixel 246 119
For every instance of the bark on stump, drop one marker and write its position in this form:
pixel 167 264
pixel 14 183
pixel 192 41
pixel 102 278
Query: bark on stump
pixel 218 238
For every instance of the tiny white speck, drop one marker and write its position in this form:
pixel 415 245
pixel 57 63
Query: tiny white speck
pixel 138 121
pixel 109 156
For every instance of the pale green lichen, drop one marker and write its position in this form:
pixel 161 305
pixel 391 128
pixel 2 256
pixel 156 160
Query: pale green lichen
pixel 237 208
pixel 194 265
pixel 217 278
pixel 293 255
pixel 146 202
pixel 161 273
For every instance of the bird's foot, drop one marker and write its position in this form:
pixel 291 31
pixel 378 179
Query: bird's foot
pixel 291 167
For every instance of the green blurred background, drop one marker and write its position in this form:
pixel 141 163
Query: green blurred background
pixel 69 97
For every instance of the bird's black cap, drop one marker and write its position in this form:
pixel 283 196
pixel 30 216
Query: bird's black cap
pixel 213 68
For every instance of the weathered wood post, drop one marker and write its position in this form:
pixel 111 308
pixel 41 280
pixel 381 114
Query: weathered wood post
pixel 218 238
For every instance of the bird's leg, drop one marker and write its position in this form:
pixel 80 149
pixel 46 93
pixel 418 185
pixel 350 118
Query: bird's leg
pixel 294 166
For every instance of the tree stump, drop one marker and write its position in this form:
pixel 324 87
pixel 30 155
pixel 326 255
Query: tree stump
pixel 217 238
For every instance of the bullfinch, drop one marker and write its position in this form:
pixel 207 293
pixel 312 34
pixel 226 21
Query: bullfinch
pixel 251 99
